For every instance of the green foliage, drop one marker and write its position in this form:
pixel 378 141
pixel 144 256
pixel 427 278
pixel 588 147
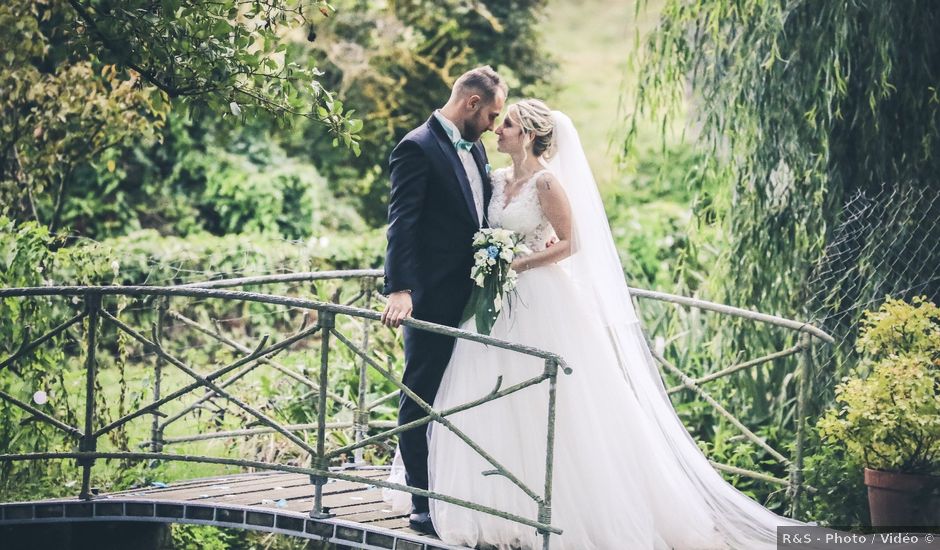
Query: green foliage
pixel 842 497
pixel 890 419
pixel 255 188
pixel 77 97
pixel 657 219
pixel 900 328
pixel 33 257
pixel 396 61
pixel 30 256
pixel 215 56
pixel 802 105
pixel 58 112
pixel 201 537
pixel 145 256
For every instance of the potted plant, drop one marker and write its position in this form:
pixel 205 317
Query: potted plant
pixel 887 413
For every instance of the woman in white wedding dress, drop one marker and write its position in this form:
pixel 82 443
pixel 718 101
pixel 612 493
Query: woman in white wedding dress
pixel 627 475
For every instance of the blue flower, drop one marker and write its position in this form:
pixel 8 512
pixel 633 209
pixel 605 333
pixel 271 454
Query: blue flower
pixel 492 251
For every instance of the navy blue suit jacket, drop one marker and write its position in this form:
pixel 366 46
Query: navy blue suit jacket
pixel 431 222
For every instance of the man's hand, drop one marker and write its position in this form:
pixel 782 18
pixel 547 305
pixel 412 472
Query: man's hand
pixel 398 308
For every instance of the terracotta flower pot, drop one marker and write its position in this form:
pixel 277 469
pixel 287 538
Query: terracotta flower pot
pixel 896 499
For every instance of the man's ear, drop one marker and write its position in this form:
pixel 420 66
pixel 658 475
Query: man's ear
pixel 474 101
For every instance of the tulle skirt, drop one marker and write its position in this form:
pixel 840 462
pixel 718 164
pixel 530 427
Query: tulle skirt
pixel 617 483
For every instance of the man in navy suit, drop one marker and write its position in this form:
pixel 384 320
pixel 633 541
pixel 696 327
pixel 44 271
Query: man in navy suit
pixel 440 192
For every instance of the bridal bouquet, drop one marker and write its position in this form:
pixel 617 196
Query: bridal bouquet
pixel 492 275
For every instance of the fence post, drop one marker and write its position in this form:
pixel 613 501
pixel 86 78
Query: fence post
pixel 88 443
pixel 361 420
pixel 796 470
pixel 156 430
pixel 545 507
pixel 326 320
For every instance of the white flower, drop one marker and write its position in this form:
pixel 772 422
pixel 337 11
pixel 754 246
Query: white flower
pixel 491 261
pixel 479 280
pixel 236 110
pixel 506 255
pixel 498 302
pixel 40 397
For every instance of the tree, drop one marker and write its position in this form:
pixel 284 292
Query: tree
pixel 79 78
pixel 396 61
pixel 807 104
pixel 808 109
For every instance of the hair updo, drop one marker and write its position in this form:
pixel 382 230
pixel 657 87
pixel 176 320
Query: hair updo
pixel 537 124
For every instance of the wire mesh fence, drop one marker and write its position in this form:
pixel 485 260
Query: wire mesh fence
pixel 886 245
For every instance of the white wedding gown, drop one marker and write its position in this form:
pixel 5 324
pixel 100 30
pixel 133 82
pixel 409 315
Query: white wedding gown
pixel 618 482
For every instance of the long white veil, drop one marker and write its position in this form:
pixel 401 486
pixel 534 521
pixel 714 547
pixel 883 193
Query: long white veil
pixel 596 270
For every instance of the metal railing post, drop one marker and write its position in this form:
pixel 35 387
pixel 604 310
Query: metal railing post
pixel 361 420
pixel 796 470
pixel 545 507
pixel 326 320
pixel 88 441
pixel 156 429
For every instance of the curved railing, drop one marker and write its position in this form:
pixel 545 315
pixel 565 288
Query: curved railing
pixel 364 430
pixel 91 302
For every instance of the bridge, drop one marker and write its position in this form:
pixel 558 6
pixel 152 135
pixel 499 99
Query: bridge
pixel 319 481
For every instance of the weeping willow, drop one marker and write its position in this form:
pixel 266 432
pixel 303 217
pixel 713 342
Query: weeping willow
pixel 823 118
pixel 808 105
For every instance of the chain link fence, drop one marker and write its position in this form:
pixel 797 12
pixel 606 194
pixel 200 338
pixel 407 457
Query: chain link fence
pixel 887 245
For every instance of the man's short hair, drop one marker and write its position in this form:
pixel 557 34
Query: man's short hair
pixel 483 81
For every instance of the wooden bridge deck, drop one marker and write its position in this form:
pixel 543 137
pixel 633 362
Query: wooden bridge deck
pixel 264 501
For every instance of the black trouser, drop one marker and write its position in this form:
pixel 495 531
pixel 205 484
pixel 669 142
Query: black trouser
pixel 426 358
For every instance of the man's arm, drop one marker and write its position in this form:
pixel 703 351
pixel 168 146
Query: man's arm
pixel 409 173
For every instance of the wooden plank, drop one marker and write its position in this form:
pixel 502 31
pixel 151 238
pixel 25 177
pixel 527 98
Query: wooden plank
pixel 277 483
pixel 367 516
pixel 192 483
pixel 358 494
pixel 394 522
pixel 217 490
pixel 339 501
pixel 365 512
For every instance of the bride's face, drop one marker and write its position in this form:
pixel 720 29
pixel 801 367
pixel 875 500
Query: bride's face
pixel 511 138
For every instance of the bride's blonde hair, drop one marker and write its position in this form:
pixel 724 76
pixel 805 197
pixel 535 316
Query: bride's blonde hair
pixel 537 124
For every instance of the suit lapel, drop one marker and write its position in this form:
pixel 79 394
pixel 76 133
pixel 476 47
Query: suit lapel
pixel 450 153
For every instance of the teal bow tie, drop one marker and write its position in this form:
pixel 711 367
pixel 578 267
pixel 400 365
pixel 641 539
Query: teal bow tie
pixel 463 144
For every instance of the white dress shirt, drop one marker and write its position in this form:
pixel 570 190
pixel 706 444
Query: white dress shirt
pixel 469 165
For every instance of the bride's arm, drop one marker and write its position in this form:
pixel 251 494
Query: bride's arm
pixel 558 212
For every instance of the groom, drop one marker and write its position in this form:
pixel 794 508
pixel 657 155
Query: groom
pixel 440 192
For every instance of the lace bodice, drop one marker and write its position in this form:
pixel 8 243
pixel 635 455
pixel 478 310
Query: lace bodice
pixel 523 214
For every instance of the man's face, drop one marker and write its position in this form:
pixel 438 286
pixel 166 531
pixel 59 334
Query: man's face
pixel 482 116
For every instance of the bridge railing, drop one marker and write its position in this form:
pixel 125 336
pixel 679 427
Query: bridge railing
pixel 94 311
pixel 809 336
pixel 363 430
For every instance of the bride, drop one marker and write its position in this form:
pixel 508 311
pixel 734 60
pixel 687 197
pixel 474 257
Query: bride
pixel 627 475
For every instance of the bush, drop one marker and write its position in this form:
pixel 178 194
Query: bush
pixel 890 419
